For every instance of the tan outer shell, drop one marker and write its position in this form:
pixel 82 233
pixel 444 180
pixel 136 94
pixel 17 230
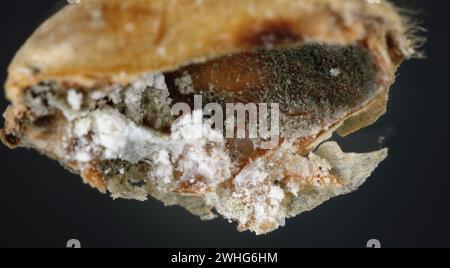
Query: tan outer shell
pixel 113 41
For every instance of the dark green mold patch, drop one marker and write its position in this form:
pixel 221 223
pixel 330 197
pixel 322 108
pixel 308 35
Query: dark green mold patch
pixel 312 83
pixel 317 78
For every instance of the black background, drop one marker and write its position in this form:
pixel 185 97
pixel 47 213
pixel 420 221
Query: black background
pixel 404 204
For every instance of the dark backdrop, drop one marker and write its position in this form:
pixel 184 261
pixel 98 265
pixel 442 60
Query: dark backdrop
pixel 404 204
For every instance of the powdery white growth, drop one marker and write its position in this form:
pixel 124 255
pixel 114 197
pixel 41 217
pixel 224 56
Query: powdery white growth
pixel 163 168
pixel 335 72
pixel 75 99
pixel 149 97
pixel 122 138
pixel 254 200
pixel 261 188
pixel 82 127
pixel 133 96
pixel 71 105
pixel 97 95
pixel 202 154
pixel 158 105
pixel 276 193
pixel 193 159
pixel 184 84
pixel 113 136
pixel 115 95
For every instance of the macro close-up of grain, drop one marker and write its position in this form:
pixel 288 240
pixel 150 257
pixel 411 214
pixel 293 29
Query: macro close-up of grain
pixel 302 123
